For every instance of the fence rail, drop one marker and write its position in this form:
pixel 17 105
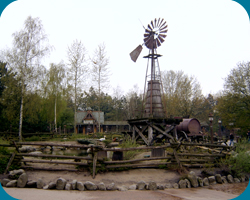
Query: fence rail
pixel 97 156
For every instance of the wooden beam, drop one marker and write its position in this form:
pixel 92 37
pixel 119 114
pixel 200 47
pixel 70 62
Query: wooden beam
pixel 48 169
pixel 9 163
pixel 139 165
pixel 54 162
pixel 164 133
pixel 142 136
pixel 137 160
pixel 94 163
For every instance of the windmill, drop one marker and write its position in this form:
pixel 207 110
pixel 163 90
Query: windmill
pixel 153 38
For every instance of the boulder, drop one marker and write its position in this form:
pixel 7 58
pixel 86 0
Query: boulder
pixel 73 184
pixel 152 185
pixel 111 186
pixel 218 178
pixel 132 187
pixel 247 178
pixel 205 182
pixel 236 180
pixel 211 180
pixel 52 185
pixel 39 184
pixel 22 180
pixel 193 179
pixel 168 185
pixel 90 186
pixel 182 184
pixel 80 186
pixel 230 178
pixel 242 178
pixel 68 186
pixel 60 184
pixel 31 184
pixel 175 185
pixel 101 186
pixel 15 173
pixel 12 183
pixel 160 187
pixel 122 188
pixel 188 183
pixel 4 182
pixel 200 181
pixel 141 185
pixel 224 179
pixel 27 149
pixel 46 187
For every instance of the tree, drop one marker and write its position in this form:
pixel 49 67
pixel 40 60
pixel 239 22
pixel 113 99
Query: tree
pixel 29 46
pixel 78 68
pixel 182 94
pixel 55 87
pixel 234 104
pixel 100 72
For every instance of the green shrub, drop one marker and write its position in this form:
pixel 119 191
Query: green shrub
pixel 33 138
pixel 127 143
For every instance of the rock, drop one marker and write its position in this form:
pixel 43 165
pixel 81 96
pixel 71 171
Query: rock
pixel 247 178
pixel 205 182
pixel 111 186
pixel 4 182
pixel 80 186
pixel 160 187
pixel 68 186
pixel 90 186
pixel 236 180
pixel 101 186
pixel 73 184
pixel 27 149
pixel 182 184
pixel 188 183
pixel 200 181
pixel 46 187
pixel 224 179
pixel 176 185
pixel 12 183
pixel 39 184
pixel 193 179
pixel 211 180
pixel 141 185
pixel 122 188
pixel 52 185
pixel 31 184
pixel 230 178
pixel 168 185
pixel 15 173
pixel 60 184
pixel 22 180
pixel 242 178
pixel 132 187
pixel 218 178
pixel 152 185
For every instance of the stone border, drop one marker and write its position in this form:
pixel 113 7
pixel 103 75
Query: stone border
pixel 191 180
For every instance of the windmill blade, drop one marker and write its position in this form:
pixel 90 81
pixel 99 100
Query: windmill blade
pixel 158 22
pixel 152 23
pixel 161 39
pixel 162 35
pixel 158 42
pixel 161 23
pixel 135 54
pixel 155 22
pixel 146 35
pixel 150 27
pixel 148 31
pixel 164 31
pixel 164 27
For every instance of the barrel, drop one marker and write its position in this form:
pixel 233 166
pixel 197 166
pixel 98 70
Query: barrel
pixel 190 125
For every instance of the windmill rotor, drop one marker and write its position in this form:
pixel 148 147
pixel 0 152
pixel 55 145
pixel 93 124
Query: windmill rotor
pixel 153 37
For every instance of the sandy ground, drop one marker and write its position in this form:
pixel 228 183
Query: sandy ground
pixel 160 176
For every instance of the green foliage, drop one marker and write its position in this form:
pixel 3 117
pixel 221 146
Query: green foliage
pixel 127 143
pixel 33 138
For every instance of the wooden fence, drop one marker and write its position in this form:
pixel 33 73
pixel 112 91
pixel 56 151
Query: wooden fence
pixel 179 154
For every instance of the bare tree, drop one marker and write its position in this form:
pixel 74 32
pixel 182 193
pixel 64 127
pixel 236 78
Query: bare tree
pixel 29 46
pixel 100 72
pixel 78 68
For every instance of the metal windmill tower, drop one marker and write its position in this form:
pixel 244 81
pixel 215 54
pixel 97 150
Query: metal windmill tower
pixel 153 38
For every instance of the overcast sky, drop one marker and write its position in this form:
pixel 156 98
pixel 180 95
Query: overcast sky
pixel 205 39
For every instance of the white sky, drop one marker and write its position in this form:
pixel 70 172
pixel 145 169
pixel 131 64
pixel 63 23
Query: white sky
pixel 206 38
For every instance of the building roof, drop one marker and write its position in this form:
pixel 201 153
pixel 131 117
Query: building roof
pixel 86 115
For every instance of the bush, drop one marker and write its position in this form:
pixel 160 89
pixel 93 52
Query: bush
pixel 33 138
pixel 127 143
